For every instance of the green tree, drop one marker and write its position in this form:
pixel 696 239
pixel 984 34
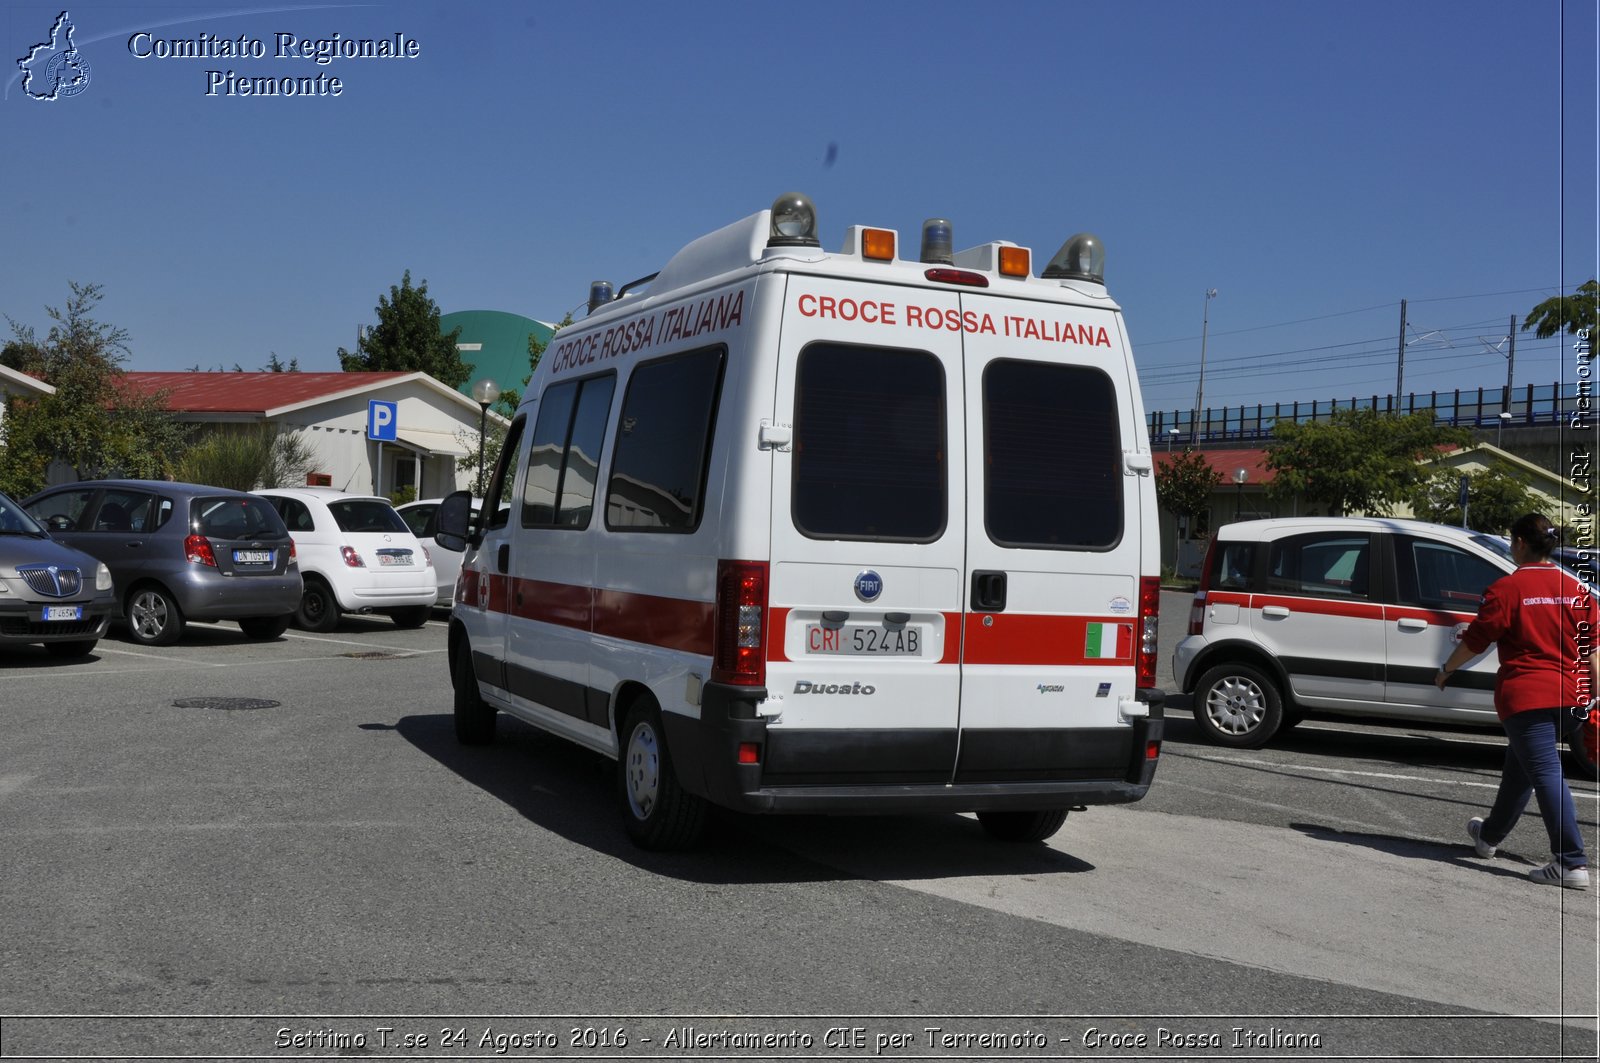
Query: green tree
pixel 1567 313
pixel 407 339
pixel 1184 487
pixel 1358 461
pixel 91 422
pixel 1495 498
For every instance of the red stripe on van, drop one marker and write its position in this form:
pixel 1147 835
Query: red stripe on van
pixel 671 623
pixel 1018 638
pixel 1319 606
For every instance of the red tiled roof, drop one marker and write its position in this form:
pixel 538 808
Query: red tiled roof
pixel 248 392
pixel 1254 462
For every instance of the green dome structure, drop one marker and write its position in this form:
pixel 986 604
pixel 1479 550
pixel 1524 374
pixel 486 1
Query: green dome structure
pixel 495 344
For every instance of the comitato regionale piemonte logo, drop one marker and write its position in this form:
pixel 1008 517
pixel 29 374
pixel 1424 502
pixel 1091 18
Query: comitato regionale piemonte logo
pixel 54 69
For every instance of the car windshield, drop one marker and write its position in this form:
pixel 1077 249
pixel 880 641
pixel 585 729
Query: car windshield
pixel 366 515
pixel 14 520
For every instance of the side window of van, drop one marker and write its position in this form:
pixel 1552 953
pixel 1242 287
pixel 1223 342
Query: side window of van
pixel 496 512
pixel 663 445
pixel 870 444
pixel 1052 456
pixel 564 461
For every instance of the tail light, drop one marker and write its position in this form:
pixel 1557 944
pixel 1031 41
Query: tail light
pixel 351 558
pixel 197 548
pixel 1149 622
pixel 1197 611
pixel 738 649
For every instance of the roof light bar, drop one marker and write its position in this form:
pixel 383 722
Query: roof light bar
pixel 1014 262
pixel 878 244
pixel 937 245
pixel 600 293
pixel 794 222
pixel 1081 258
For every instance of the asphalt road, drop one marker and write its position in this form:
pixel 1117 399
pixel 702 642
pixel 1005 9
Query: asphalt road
pixel 331 874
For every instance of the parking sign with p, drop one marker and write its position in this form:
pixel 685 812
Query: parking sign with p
pixel 381 421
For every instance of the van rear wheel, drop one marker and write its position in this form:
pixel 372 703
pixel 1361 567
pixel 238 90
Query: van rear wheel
pixel 1237 705
pixel 1022 826
pixel 659 813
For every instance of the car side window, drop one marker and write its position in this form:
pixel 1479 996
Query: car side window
pixel 1233 566
pixel 1434 575
pixel 122 510
pixel 62 511
pixel 417 518
pixel 1321 565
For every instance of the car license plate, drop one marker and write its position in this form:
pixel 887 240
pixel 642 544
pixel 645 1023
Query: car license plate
pixel 864 640
pixel 63 612
pixel 252 557
pixel 394 557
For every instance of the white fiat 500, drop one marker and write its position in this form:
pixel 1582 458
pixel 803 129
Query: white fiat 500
pixel 1342 615
pixel 356 556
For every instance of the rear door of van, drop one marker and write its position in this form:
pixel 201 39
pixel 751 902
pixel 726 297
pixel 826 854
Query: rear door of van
pixel 867 556
pixel 1053 542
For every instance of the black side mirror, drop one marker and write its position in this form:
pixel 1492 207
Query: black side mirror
pixel 455 522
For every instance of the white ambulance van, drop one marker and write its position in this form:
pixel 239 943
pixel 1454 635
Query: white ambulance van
pixel 799 531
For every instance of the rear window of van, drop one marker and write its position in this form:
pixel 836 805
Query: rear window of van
pixel 869 444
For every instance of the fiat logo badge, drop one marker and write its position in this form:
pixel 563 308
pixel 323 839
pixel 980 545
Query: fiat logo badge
pixel 869 585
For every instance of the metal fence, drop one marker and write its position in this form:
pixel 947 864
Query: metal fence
pixel 1533 404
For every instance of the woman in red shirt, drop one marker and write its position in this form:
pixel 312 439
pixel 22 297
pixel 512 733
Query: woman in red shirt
pixel 1545 624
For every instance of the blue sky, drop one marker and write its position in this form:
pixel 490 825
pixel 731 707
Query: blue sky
pixel 1314 163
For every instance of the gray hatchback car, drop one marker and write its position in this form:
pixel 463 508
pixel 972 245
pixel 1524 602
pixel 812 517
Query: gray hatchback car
pixel 180 552
pixel 49 593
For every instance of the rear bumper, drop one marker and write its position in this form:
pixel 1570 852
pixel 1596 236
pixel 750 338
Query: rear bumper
pixel 211 596
pixel 867 772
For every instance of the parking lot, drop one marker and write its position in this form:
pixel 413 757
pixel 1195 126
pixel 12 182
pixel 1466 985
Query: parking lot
pixel 230 826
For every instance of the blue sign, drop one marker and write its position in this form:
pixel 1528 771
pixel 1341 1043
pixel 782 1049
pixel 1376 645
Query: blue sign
pixel 382 422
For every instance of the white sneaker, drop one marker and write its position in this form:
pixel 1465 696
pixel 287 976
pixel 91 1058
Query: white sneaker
pixel 1481 847
pixel 1553 874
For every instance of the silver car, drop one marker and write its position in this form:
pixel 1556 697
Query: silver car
pixel 180 552
pixel 49 593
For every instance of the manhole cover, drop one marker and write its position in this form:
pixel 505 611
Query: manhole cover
pixel 375 655
pixel 225 703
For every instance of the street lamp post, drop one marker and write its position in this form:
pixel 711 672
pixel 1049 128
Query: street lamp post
pixel 1200 391
pixel 1240 475
pixel 1172 434
pixel 1500 430
pixel 484 393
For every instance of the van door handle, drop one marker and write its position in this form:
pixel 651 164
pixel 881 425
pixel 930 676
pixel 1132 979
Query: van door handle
pixel 1275 612
pixel 1411 623
pixel 503 557
pixel 988 592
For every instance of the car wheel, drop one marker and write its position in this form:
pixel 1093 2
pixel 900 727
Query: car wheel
pixel 1237 705
pixel 660 814
pixel 319 610
pixel 75 648
pixel 475 718
pixel 1022 826
pixel 411 616
pixel 264 627
pixel 153 617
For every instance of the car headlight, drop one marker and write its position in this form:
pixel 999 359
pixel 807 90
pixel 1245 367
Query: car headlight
pixel 102 577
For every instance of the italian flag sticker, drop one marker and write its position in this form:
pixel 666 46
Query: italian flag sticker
pixel 1108 642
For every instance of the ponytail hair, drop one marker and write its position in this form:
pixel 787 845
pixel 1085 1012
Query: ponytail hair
pixel 1537 533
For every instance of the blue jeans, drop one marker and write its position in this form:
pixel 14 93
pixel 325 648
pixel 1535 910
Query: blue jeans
pixel 1533 769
